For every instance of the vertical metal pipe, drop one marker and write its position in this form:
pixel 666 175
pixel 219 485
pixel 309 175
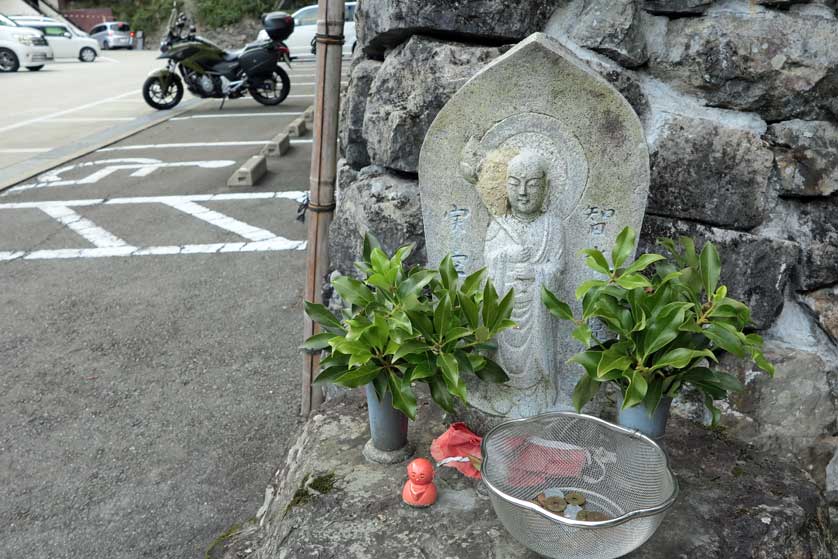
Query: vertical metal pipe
pixel 322 178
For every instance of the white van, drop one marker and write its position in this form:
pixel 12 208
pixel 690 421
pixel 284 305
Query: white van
pixel 66 41
pixel 21 46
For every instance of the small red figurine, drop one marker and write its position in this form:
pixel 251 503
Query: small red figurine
pixel 419 490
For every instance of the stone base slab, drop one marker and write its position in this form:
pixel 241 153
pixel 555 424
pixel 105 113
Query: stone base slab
pixel 329 502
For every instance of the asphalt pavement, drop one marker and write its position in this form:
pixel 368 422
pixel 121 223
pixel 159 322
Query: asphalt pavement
pixel 149 324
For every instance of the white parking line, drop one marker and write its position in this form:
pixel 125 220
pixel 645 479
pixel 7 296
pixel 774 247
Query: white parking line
pixel 65 112
pixel 228 223
pixel 88 119
pixel 237 115
pixel 25 150
pixel 84 227
pixel 296 195
pixel 106 244
pixel 197 145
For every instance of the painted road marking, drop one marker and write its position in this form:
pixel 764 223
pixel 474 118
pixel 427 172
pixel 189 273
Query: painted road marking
pixel 87 119
pixel 235 115
pixel 197 145
pixel 296 195
pixel 107 244
pixel 141 167
pixel 25 150
pixel 240 228
pixel 84 227
pixel 66 111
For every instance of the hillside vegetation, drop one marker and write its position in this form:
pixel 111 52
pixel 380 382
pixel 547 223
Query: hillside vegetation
pixel 151 15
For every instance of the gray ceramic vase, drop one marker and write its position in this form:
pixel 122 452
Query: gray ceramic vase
pixel 388 426
pixel 638 418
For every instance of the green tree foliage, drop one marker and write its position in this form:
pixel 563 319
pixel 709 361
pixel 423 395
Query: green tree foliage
pixel 215 13
pixel 669 326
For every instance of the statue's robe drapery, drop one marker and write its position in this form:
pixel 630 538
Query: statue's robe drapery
pixel 525 352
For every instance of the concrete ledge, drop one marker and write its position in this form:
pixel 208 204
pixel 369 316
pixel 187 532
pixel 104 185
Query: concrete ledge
pixel 735 502
pixel 308 115
pixel 249 173
pixel 297 128
pixel 278 145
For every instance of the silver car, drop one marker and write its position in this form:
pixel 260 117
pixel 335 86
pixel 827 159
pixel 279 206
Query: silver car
pixel 113 35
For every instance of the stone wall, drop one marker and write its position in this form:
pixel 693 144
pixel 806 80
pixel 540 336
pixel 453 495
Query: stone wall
pixel 739 102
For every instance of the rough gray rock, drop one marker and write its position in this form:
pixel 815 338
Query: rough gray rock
pixel 379 202
pixel 813 224
pixel 755 269
pixel 327 502
pixel 677 7
pixel 806 155
pixel 610 27
pixel 352 141
pixel 832 479
pixel 383 24
pixel 792 415
pixel 824 9
pixel 778 3
pixel 824 304
pixel 626 81
pixel 777 64
pixel 413 84
pixel 708 172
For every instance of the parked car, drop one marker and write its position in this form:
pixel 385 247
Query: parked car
pixel 113 35
pixel 21 46
pixel 66 41
pixel 305 27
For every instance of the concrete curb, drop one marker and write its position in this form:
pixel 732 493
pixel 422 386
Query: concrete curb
pixel 308 115
pixel 33 167
pixel 277 146
pixel 249 174
pixel 297 128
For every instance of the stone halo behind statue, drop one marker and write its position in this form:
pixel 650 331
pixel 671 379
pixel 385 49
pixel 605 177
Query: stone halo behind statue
pixel 484 161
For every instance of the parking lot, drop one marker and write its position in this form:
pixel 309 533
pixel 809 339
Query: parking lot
pixel 149 314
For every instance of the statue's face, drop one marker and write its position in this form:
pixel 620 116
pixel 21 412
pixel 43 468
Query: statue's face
pixel 526 184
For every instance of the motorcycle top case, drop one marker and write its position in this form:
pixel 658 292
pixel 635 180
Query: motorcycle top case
pixel 279 25
pixel 259 61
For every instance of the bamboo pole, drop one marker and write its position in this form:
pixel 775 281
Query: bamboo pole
pixel 322 178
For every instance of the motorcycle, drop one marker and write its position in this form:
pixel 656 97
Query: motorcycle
pixel 211 72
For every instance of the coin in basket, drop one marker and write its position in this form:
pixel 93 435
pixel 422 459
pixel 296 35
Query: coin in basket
pixel 582 515
pixel 555 504
pixel 575 498
pixel 596 516
pixel 540 498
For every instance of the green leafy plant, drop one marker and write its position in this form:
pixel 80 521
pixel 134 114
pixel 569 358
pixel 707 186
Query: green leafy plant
pixel 405 326
pixel 668 326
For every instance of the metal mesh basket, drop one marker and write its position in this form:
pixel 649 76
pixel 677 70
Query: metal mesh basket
pixel 622 475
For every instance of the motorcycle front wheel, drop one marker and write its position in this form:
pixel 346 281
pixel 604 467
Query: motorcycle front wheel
pixel 271 90
pixel 163 96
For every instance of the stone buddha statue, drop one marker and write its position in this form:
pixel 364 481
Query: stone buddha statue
pixel 523 251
